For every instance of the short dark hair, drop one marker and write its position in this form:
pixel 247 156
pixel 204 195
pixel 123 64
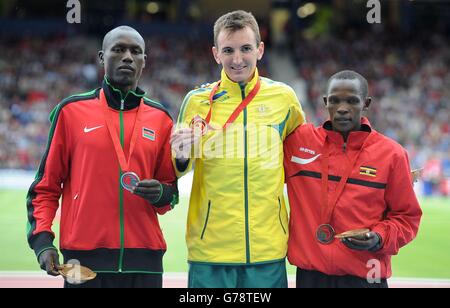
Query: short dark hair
pixel 108 35
pixel 234 21
pixel 351 75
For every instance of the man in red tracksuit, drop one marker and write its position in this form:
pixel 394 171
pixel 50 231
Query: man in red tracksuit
pixel 344 176
pixel 94 139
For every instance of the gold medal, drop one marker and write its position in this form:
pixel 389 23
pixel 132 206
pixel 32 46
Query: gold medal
pixel 199 126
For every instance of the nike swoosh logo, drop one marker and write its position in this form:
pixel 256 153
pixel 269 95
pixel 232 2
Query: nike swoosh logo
pixel 302 161
pixel 88 130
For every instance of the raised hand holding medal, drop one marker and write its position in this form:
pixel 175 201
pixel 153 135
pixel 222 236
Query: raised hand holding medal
pixel 199 126
pixel 183 141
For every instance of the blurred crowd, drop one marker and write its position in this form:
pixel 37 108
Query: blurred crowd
pixel 410 87
pixel 36 74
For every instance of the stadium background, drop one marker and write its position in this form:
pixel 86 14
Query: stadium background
pixel 405 58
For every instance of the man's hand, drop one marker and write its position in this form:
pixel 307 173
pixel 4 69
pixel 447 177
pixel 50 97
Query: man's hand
pixel 49 262
pixel 368 241
pixel 150 190
pixel 181 142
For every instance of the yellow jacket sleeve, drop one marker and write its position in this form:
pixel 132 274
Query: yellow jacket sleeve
pixel 296 116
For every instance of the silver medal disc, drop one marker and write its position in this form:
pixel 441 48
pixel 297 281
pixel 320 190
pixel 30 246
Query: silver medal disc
pixel 129 180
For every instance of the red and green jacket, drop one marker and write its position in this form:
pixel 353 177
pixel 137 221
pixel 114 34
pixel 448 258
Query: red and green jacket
pixel 102 225
pixel 378 195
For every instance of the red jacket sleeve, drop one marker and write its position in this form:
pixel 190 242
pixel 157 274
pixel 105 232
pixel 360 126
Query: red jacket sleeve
pixel 45 192
pixel 403 215
pixel 165 174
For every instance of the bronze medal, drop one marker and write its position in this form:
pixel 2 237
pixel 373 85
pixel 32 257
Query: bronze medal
pixel 325 234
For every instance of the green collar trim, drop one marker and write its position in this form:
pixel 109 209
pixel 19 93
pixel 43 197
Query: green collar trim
pixel 120 92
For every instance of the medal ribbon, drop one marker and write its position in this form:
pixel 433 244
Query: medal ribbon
pixel 241 106
pixel 124 163
pixel 329 204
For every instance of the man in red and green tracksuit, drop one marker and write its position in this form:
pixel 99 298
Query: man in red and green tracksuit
pixel 94 139
pixel 344 176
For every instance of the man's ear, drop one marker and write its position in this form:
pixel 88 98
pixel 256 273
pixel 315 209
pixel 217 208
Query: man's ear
pixel 367 103
pixel 145 60
pixel 260 50
pixel 100 57
pixel 325 100
pixel 216 54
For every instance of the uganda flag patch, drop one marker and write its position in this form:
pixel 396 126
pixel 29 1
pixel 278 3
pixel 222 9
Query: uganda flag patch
pixel 148 133
pixel 369 171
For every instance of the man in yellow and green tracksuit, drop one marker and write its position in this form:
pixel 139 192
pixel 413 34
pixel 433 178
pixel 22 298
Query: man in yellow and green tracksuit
pixel 232 131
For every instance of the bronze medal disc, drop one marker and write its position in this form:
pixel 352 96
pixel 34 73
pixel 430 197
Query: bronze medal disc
pixel 325 234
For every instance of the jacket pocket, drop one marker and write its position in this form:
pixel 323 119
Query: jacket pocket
pixel 206 220
pixel 279 215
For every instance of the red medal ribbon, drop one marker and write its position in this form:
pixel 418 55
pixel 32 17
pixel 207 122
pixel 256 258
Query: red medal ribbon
pixel 329 204
pixel 124 163
pixel 241 106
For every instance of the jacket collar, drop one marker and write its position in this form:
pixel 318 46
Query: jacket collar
pixel 114 96
pixel 355 139
pixel 235 88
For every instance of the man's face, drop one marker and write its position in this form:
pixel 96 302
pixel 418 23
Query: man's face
pixel 345 104
pixel 124 58
pixel 238 53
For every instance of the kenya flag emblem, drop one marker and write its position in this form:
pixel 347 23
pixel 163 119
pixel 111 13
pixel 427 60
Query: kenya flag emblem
pixel 148 133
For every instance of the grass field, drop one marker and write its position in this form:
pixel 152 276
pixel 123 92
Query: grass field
pixel 427 257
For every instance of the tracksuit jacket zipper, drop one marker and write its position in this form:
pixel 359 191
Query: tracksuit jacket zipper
pixel 122 223
pixel 121 212
pixel 247 235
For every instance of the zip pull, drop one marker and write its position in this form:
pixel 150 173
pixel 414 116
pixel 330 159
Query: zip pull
pixel 242 86
pixel 344 147
pixel 122 104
